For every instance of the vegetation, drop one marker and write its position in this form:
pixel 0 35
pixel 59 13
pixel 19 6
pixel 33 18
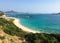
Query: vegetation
pixel 9 28
pixel 42 38
pixel 2 37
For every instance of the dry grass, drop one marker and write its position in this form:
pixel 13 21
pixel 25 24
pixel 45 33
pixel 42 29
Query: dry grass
pixel 9 38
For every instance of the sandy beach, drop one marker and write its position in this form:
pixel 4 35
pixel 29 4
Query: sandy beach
pixel 18 24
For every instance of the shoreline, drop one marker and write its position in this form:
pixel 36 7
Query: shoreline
pixel 19 25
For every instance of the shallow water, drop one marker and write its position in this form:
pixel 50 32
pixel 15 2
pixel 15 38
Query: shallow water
pixel 44 22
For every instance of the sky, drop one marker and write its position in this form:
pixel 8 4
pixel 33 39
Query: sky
pixel 31 6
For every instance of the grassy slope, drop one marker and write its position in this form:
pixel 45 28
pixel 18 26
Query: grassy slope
pixel 6 38
pixel 11 29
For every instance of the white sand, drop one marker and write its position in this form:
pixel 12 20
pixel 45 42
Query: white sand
pixel 18 24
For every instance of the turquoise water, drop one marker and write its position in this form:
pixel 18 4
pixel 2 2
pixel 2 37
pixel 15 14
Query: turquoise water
pixel 42 23
pixel 47 23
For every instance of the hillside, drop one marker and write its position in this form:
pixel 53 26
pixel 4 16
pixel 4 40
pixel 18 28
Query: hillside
pixel 9 32
pixel 5 38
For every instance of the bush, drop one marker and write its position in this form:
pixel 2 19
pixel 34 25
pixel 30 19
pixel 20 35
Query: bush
pixel 2 37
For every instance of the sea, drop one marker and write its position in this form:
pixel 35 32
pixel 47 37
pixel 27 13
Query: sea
pixel 45 23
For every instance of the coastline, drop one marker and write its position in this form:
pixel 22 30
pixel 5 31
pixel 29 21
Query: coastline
pixel 18 24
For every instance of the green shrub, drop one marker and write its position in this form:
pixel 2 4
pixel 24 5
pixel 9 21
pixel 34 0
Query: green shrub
pixel 2 37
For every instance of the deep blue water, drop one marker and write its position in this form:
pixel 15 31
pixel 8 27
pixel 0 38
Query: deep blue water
pixel 46 23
